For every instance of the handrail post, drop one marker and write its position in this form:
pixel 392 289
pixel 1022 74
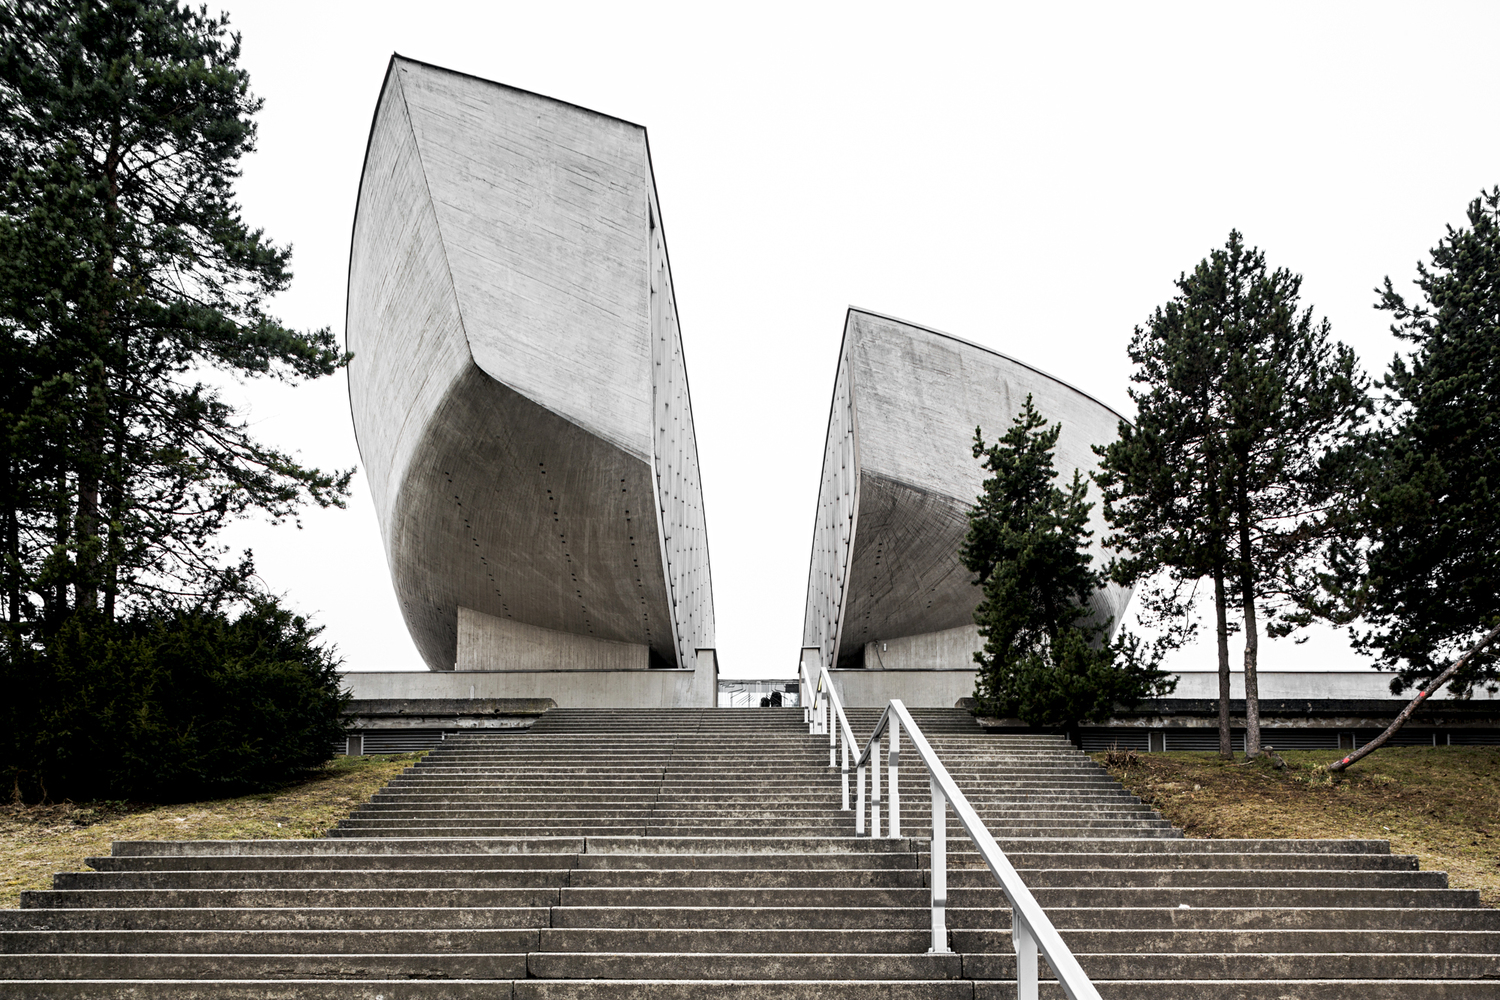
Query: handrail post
pixel 875 790
pixel 845 769
pixel 1026 975
pixel 833 730
pixel 939 853
pixel 895 782
pixel 859 807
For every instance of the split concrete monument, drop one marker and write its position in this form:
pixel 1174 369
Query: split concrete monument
pixel 521 401
pixel 889 605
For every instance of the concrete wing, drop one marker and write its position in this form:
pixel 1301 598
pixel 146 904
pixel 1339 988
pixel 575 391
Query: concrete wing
pixel 518 386
pixel 886 589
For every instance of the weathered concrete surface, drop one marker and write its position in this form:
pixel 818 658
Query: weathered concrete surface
pixel 695 688
pixel 1341 685
pixel 899 477
pixel 952 648
pixel 1364 694
pixel 489 643
pixel 518 386
pixel 921 688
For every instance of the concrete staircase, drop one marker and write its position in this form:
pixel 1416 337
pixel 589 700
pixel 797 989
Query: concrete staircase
pixel 686 854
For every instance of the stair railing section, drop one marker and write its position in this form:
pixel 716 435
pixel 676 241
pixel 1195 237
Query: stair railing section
pixel 825 714
pixel 1030 929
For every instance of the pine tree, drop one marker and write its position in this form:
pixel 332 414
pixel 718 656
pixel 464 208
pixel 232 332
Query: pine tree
pixel 1423 567
pixel 1046 659
pixel 1238 458
pixel 126 272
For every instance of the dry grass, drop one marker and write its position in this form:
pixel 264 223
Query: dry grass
pixel 36 841
pixel 1440 803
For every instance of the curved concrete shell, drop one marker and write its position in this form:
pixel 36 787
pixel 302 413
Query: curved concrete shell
pixel 518 385
pixel 886 589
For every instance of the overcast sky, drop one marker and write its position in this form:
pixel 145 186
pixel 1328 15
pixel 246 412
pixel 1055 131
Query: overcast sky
pixel 1030 177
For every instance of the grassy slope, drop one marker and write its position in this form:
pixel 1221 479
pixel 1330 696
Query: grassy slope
pixel 1441 804
pixel 36 841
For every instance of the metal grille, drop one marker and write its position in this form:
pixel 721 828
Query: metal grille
pixel 1098 740
pixel 394 741
pixel 1207 739
pixel 1299 739
pixel 1407 738
pixel 1475 738
pixel 1203 739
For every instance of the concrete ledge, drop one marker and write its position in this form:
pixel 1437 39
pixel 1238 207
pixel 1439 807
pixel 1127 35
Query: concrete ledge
pixel 522 692
pixel 1316 685
pixel 916 688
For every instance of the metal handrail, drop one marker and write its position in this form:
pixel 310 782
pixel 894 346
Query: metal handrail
pixel 825 714
pixel 1029 927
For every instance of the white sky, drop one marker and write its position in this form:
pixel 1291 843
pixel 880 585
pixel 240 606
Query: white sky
pixel 1029 177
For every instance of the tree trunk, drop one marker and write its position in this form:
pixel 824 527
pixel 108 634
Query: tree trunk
pixel 1252 633
pixel 1416 703
pixel 115 498
pixel 86 522
pixel 1252 685
pixel 1221 616
pixel 12 543
pixel 64 529
pixel 88 528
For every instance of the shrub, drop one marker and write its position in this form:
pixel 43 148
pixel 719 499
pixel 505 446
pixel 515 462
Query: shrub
pixel 169 705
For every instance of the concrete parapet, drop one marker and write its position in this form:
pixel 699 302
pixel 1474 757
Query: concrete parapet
pixel 513 690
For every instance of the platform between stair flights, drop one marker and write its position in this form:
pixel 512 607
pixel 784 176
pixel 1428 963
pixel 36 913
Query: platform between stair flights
pixel 696 853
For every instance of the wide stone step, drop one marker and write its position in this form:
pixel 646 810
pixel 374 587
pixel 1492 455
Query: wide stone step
pixel 301 879
pixel 697 989
pixel 659 965
pixel 1202 860
pixel 1209 878
pixel 278 918
pixel 994 898
pixel 334 862
pixel 717 845
pixel 1171 965
pixel 299 898
pixel 605 811
pixel 197 941
pixel 86 966
pixel 780 941
pixel 1243 941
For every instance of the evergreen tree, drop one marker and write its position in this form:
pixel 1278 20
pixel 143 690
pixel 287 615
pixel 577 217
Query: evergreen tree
pixel 126 271
pixel 1046 658
pixel 1239 456
pixel 1423 567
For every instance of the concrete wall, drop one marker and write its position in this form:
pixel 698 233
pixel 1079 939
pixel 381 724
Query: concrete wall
pixel 1342 685
pixel 899 478
pixel 514 345
pixel 951 649
pixel 696 688
pixel 923 688
pixel 489 643
pixel 926 687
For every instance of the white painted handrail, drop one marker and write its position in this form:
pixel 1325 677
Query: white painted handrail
pixel 824 713
pixel 1029 927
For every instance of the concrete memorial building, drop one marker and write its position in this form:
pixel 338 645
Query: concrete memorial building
pixel 521 401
